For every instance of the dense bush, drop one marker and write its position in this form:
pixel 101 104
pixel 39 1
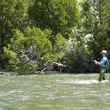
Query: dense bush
pixel 79 61
pixel 28 50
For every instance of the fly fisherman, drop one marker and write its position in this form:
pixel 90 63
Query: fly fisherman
pixel 104 65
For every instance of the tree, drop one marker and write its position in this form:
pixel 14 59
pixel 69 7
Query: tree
pixel 95 21
pixel 58 15
pixel 13 13
pixel 26 49
pixel 101 30
pixel 91 36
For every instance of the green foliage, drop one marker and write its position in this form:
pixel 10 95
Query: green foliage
pixel 12 57
pixel 79 61
pixel 60 45
pixel 31 48
pixel 13 14
pixel 25 49
pixel 33 32
pixel 95 21
pixel 39 38
pixel 55 14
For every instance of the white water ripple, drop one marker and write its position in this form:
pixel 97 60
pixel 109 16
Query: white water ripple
pixel 83 82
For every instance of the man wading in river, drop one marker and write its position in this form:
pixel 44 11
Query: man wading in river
pixel 104 65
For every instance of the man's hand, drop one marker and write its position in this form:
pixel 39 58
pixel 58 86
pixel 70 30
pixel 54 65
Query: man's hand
pixel 95 61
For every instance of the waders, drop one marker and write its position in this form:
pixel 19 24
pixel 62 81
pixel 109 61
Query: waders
pixel 103 70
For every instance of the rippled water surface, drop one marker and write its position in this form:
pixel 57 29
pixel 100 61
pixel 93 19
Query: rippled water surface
pixel 54 92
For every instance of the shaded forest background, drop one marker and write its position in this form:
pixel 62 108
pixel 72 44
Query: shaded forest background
pixel 34 33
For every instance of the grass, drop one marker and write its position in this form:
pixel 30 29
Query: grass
pixel 53 92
